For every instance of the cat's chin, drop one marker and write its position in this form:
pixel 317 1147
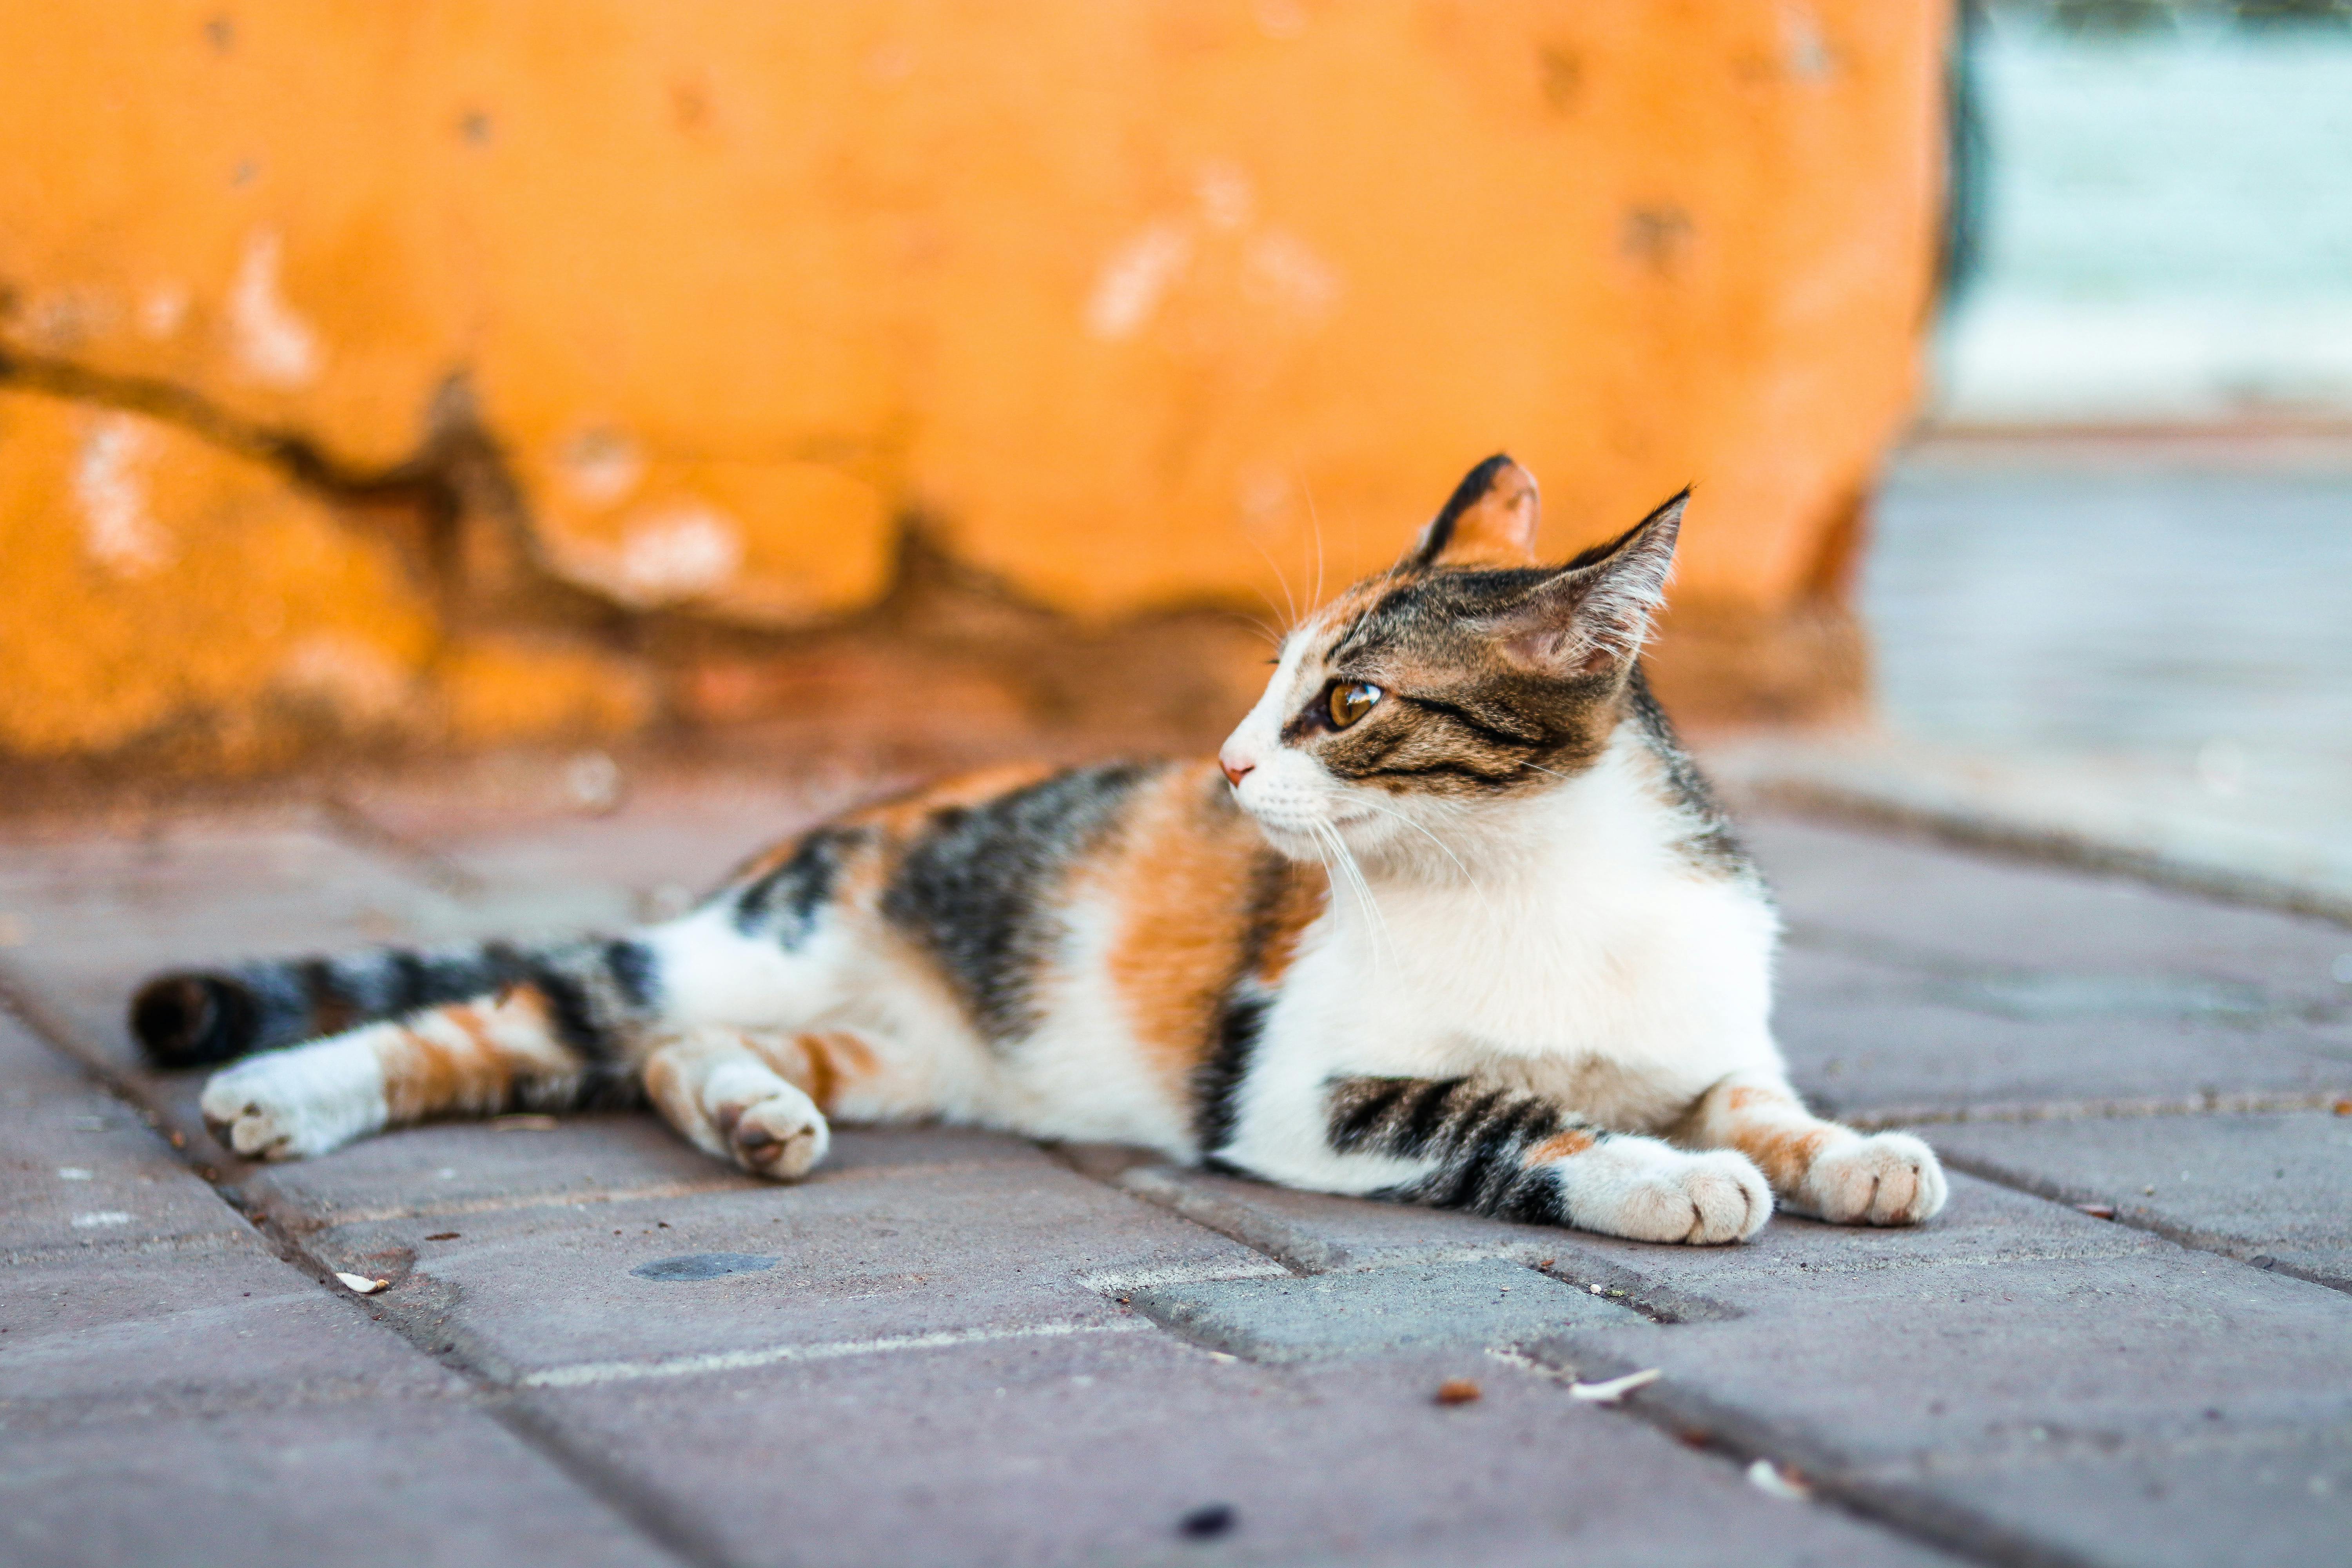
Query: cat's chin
pixel 1363 837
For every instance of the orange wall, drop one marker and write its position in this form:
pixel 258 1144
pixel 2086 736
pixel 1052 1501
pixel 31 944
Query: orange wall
pixel 1130 298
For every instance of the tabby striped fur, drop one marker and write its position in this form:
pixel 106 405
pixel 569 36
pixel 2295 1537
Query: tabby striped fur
pixel 1452 919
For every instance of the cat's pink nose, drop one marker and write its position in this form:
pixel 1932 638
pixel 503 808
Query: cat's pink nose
pixel 1233 769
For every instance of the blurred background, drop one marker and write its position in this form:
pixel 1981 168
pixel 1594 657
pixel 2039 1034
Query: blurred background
pixel 548 395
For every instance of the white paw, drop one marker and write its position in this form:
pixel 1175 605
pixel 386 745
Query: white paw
pixel 1887 1178
pixel 1647 1191
pixel 286 1104
pixel 780 1135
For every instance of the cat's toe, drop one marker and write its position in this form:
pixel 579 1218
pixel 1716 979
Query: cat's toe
pixel 781 1137
pixel 1729 1199
pixel 290 1104
pixel 1889 1178
pixel 1658 1194
pixel 245 1120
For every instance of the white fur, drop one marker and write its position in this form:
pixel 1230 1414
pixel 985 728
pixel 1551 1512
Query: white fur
pixel 283 1105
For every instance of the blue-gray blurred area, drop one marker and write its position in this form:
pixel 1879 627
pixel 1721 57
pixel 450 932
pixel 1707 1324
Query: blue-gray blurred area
pixel 2162 222
pixel 2109 588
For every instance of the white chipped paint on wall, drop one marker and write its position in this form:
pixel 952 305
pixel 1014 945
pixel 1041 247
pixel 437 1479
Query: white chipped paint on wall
pixel 356 680
pixel 1127 292
pixel 272 342
pixel 1283 271
pixel 665 555
pixel 602 466
pixel 162 308
pixel 1220 244
pixel 118 530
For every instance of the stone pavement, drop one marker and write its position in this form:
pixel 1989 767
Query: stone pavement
pixel 2129 648
pixel 946 1347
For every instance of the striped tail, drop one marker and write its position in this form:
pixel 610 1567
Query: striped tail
pixel 595 991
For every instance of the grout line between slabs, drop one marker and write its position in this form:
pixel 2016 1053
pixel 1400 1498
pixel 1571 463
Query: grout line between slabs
pixel 646 1510
pixel 1732 1435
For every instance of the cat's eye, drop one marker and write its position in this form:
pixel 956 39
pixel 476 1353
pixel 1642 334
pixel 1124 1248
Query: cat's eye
pixel 1350 700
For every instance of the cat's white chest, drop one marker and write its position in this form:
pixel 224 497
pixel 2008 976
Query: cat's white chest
pixel 1611 967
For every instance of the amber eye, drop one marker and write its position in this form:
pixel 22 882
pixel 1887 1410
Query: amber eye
pixel 1351 701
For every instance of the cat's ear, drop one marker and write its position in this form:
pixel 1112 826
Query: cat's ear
pixel 1596 611
pixel 1489 520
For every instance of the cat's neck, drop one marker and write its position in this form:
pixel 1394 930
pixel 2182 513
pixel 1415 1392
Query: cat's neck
pixel 1613 818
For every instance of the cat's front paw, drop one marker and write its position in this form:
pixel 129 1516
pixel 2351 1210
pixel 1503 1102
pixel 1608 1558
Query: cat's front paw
pixel 1886 1178
pixel 288 1104
pixel 1648 1191
pixel 781 1136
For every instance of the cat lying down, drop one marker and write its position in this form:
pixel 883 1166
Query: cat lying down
pixel 1451 920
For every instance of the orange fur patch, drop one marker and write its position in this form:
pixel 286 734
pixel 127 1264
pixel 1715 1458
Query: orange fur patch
pixel 1773 1130
pixel 1559 1146
pixel 1181 875
pixel 423 1077
pixel 1783 1154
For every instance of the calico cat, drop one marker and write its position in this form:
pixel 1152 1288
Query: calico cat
pixel 1451 918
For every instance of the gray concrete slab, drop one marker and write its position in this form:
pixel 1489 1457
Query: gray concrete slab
pixel 386 1481
pixel 1910 898
pixel 171 1390
pixel 2276 1190
pixel 1069 1450
pixel 884 1248
pixel 2012 1334
pixel 1490 1304
pixel 79 1169
pixel 1921 981
pixel 1887 1045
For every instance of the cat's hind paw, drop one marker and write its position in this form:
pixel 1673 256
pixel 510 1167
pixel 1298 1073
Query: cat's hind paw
pixel 288 1104
pixel 781 1136
pixel 1886 1178
pixel 1645 1190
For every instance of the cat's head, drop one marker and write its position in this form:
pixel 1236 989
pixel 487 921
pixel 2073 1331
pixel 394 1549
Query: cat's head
pixel 1465 675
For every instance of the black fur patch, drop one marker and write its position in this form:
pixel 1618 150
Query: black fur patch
pixel 976 888
pixel 1475 1133
pixel 1217 1082
pixel 787 899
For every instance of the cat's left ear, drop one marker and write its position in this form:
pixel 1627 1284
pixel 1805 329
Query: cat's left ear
pixel 1596 611
pixel 1489 520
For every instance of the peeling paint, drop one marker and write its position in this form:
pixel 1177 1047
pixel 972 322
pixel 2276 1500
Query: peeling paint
pixel 118 530
pixel 601 467
pixel 1132 283
pixel 163 308
pixel 1283 271
pixel 272 342
pixel 353 678
pixel 667 556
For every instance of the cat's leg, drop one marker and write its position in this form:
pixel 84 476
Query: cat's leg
pixel 1470 1143
pixel 518 1049
pixel 1818 1167
pixel 757 1097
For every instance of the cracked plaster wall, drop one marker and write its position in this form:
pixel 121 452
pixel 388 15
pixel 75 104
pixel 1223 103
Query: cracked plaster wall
pixel 1130 301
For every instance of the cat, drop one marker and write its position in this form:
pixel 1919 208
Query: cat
pixel 1451 918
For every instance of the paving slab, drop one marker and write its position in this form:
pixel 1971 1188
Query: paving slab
pixel 1096 1449
pixel 390 1481
pixel 171 1390
pixel 1911 894
pixel 2274 1190
pixel 1492 1304
pixel 1911 1372
pixel 1881 1361
pixel 886 1247
pixel 1921 983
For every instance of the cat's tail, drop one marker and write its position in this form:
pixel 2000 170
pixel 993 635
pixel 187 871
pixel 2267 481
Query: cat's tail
pixel 593 990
